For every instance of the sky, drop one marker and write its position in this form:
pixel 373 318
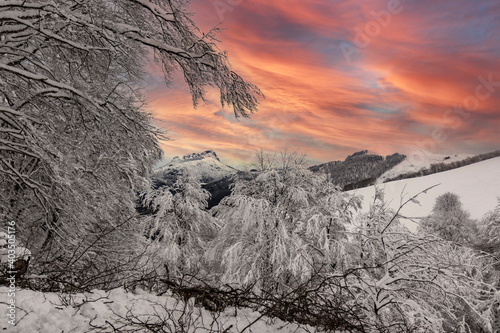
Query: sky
pixel 341 76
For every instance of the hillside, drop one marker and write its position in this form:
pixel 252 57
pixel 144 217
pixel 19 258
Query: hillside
pixel 358 170
pixel 478 186
pixel 413 165
pixel 433 163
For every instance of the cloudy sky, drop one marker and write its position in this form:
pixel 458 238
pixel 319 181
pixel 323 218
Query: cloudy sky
pixel 341 75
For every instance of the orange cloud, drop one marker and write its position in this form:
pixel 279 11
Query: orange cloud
pixel 394 93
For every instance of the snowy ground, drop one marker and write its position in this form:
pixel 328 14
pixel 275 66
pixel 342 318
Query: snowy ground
pixel 105 312
pixel 478 186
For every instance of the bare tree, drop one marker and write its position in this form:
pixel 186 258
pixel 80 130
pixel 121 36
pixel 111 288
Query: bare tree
pixel 264 161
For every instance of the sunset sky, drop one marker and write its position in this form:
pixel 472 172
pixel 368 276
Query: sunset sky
pixel 341 76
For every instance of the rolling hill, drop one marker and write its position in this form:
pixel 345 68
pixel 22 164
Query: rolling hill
pixel 478 186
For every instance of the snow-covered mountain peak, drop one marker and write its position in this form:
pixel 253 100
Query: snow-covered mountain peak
pixel 205 166
pixel 208 154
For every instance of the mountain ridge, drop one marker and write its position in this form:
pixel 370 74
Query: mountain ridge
pixel 205 166
pixel 359 170
pixel 195 156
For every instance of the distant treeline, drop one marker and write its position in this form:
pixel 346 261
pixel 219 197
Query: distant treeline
pixel 440 167
pixel 359 169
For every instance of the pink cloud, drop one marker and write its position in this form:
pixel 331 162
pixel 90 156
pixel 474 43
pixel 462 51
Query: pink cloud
pixel 394 94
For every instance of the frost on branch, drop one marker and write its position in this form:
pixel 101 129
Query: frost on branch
pixel 76 143
pixel 450 221
pixel 419 282
pixel 280 228
pixel 180 226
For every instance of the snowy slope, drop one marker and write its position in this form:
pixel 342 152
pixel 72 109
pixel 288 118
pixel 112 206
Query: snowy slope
pixel 204 166
pixel 105 312
pixel 478 186
pixel 415 164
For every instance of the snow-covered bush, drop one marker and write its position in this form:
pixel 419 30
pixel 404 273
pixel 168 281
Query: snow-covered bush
pixel 489 239
pixel 405 282
pixel 180 226
pixel 281 227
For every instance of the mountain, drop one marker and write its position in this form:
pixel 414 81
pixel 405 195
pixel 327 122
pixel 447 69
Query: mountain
pixel 205 166
pixel 359 169
pixel 363 169
pixel 477 185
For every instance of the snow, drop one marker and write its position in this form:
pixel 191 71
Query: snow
pixel 20 252
pixel 416 163
pixel 205 166
pixel 50 312
pixel 477 185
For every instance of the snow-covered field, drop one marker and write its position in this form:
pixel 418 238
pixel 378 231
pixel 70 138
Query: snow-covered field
pixel 105 312
pixel 415 164
pixel 478 186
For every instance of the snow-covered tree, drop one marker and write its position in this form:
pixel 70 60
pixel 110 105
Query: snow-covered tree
pixel 180 227
pixel 450 221
pixel 280 227
pixel 489 231
pixel 368 235
pixel 405 282
pixel 76 144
